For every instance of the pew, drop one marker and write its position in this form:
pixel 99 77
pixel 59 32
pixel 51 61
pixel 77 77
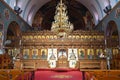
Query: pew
pixel 4 75
pixel 102 74
pixel 15 74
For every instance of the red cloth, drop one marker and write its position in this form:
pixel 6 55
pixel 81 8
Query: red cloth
pixel 54 74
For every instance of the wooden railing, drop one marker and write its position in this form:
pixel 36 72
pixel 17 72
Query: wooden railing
pixel 15 74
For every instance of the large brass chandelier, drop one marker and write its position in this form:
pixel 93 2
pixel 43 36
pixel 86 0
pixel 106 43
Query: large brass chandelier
pixel 61 24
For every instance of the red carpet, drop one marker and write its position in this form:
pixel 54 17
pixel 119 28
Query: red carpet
pixel 58 74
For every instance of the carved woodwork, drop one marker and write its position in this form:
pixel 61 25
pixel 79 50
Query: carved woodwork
pixel 87 40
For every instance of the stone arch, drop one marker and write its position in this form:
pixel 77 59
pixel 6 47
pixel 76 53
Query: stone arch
pixel 13 35
pixel 112 36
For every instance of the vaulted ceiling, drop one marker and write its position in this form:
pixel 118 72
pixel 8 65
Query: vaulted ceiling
pixel 76 13
pixel 31 7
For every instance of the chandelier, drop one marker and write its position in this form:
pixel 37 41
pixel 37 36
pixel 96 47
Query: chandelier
pixel 61 24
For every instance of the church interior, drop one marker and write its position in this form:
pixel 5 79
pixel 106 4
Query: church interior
pixel 59 39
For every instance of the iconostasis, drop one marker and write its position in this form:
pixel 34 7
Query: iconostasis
pixel 55 54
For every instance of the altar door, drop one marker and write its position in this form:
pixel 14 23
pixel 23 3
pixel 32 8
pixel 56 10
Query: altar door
pixel 52 57
pixel 72 57
pixel 62 59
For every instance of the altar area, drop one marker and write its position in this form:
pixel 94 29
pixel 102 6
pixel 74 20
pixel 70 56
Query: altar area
pixel 62 46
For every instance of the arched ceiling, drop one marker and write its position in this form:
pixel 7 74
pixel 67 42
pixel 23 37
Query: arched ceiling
pixel 77 14
pixel 30 7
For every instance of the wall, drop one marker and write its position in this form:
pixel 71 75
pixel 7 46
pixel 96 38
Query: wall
pixel 7 15
pixel 113 15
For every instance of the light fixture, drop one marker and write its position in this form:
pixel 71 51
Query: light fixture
pixel 107 9
pixel 61 24
pixel 17 10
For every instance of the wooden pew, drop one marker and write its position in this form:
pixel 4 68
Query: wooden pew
pixel 102 74
pixel 15 74
pixel 4 75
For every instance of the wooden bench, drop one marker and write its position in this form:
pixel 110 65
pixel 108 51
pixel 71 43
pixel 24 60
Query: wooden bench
pixel 15 74
pixel 102 74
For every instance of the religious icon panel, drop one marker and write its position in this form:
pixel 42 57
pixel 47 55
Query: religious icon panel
pixel 62 54
pixel 34 53
pixel 90 53
pixel 52 54
pixel 81 53
pixel 26 53
pixel 43 54
pixel 99 53
pixel 72 54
